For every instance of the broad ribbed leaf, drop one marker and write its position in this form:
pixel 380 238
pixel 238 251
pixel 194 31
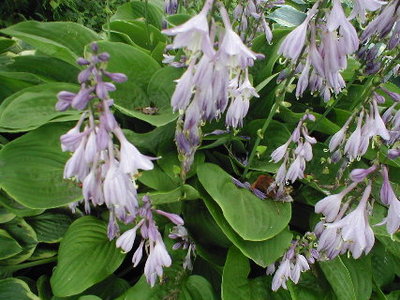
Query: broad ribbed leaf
pixel 63 40
pixel 33 107
pixel 50 226
pixel 85 257
pixel 9 246
pixel 31 169
pixel 26 237
pixel 339 278
pixel 262 253
pixel 139 10
pixel 252 218
pixel 13 288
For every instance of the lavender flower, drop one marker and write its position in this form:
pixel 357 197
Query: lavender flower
pixel 330 205
pixel 358 175
pixel 158 256
pixel 105 172
pixel 355 228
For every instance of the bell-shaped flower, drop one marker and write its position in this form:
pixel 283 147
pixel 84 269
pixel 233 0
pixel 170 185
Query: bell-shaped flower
pixel 232 51
pixel 393 153
pixel 131 160
pixel 127 239
pixel 183 91
pixel 119 191
pixel 64 100
pixel 358 175
pixel 280 152
pixel 353 143
pixel 379 125
pixel 362 6
pixel 157 259
pixel 191 34
pixel 281 275
pixel 355 228
pixel 237 111
pixel 387 194
pixel 76 165
pixel 296 169
pixel 330 205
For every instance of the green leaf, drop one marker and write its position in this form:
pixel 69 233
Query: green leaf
pixel 160 88
pixel 44 67
pixel 138 10
pixel 324 125
pixel 5 44
pixel 23 233
pixel 361 275
pixel 34 106
pixel 5 215
pixel 198 288
pixel 178 19
pixel 130 96
pixel 262 253
pixel 9 246
pixel 234 279
pixel 252 218
pixel 32 169
pixel 13 288
pixel 288 16
pixel 12 82
pixel 50 227
pixel 145 36
pixel 85 257
pixel 63 40
pixel 110 288
pixel 185 192
pixel 339 278
pixel 17 208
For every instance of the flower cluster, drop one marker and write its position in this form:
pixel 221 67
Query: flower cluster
pixel 180 234
pixel 251 14
pixel 319 47
pixel 157 254
pixel 296 260
pixel 105 170
pixel 294 160
pixel 369 124
pixel 215 81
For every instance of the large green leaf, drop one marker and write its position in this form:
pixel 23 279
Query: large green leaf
pixel 144 35
pixel 339 278
pixel 12 82
pixel 31 169
pixel 160 88
pixel 13 288
pixel 34 106
pixel 85 257
pixel 252 218
pixel 50 227
pixel 131 96
pixel 63 40
pixel 234 279
pixel 138 10
pixel 194 287
pixel 263 252
pixel 45 67
pixel 9 246
pixel 26 237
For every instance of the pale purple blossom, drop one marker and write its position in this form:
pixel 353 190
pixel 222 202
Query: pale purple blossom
pixel 393 153
pixel 387 194
pixel 355 229
pixel 192 34
pixel 358 175
pixel 330 205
